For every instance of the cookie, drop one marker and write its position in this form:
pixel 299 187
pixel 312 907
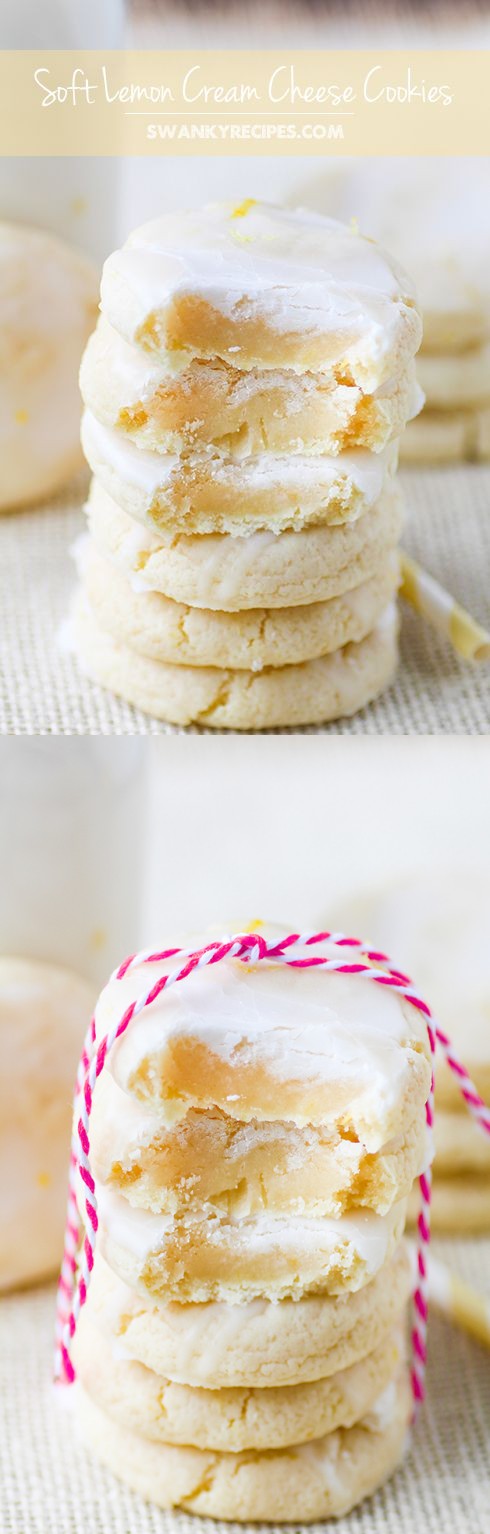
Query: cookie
pixel 201 1254
pixel 446 436
pixel 160 404
pixel 257 1345
pixel 200 492
pixel 48 306
pixel 263 286
pixel 44 1013
pixel 227 1037
pixel 228 1420
pixel 303 1483
pixel 218 572
pixel 167 631
pixel 456 382
pixel 314 692
pixel 243 1169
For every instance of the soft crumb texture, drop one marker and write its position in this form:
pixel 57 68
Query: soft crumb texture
pixel 203 492
pixel 310 1481
pixel 176 634
pixel 228 1420
pixel 272 287
pixel 158 406
pixel 243 1168
pixel 261 1344
pixel 44 1014
pixel 226 574
pixel 48 308
pixel 314 692
pixel 201 1255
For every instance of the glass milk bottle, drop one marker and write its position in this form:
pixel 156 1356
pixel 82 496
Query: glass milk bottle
pixel 75 198
pixel 72 847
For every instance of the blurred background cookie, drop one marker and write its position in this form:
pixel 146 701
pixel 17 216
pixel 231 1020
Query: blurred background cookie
pixel 48 305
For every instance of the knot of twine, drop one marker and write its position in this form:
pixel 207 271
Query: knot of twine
pixel 249 947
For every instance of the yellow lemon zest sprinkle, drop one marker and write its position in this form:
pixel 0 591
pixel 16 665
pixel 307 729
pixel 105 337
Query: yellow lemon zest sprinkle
pixel 244 207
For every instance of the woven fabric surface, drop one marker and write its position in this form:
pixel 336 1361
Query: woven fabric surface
pixel 43 692
pixel 48 1481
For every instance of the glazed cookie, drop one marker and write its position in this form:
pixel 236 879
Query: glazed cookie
pixel 446 436
pixel 243 1169
pixel 228 1037
pixel 230 1420
pixel 202 1254
pixel 303 1483
pixel 48 306
pixel 226 574
pixel 168 405
pixel 313 692
pixel 179 635
pixel 203 492
pixel 263 286
pixel 256 1345
pixel 44 1011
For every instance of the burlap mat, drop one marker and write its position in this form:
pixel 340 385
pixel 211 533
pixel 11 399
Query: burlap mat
pixel 43 692
pixel 50 1485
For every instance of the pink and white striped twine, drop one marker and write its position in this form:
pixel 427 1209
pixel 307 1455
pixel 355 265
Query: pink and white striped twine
pixel 249 947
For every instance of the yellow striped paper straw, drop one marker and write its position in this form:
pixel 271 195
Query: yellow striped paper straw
pixel 457 1300
pixel 430 599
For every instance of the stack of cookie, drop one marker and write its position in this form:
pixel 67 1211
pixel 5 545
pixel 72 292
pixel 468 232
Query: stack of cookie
pixel 245 391
pixel 255 1135
pixel 434 215
pixel 454 372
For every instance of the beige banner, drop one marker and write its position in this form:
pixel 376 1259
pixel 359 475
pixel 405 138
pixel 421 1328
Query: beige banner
pixel 244 103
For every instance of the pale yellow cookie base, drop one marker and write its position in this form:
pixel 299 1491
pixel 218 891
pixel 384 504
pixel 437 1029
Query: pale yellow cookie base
pixel 315 692
pixel 202 1256
pixel 221 573
pixel 214 403
pixel 304 1483
pixel 169 632
pixel 447 436
pixel 259 1345
pixel 228 1420
pixel 207 494
pixel 243 1169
